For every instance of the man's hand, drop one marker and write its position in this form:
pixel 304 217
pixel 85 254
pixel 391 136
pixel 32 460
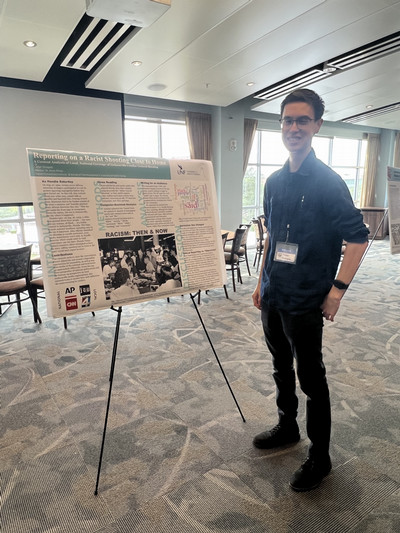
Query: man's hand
pixel 257 298
pixel 352 257
pixel 330 305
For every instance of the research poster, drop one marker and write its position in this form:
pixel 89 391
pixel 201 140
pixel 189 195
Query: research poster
pixel 394 208
pixel 116 230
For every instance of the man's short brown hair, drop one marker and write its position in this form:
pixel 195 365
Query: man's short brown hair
pixel 309 97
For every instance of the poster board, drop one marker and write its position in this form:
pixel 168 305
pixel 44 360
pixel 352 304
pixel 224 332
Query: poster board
pixel 100 216
pixel 393 175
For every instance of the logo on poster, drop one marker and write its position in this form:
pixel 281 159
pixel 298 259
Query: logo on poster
pixel 84 290
pixel 85 301
pixel 71 303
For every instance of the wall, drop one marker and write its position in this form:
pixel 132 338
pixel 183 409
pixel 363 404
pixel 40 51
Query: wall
pixel 232 119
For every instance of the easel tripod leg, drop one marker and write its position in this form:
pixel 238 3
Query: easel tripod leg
pixel 114 355
pixel 216 356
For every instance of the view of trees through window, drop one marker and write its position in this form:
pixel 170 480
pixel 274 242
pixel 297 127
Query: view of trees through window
pixel 345 156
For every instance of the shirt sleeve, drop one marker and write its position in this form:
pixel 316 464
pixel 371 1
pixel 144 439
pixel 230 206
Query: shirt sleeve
pixel 346 218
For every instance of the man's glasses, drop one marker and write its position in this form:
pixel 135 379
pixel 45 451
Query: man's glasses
pixel 287 122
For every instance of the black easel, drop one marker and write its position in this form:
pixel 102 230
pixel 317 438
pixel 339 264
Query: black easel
pixel 113 359
pixel 215 353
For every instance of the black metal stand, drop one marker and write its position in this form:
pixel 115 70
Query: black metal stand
pixel 193 297
pixel 111 378
pixel 114 355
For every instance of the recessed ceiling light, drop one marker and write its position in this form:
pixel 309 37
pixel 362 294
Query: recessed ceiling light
pixel 157 87
pixel 30 44
pixel 369 106
pixel 136 63
pixel 250 83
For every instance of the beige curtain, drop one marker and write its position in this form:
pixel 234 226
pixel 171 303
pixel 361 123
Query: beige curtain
pixel 198 126
pixel 250 128
pixel 371 164
pixel 396 159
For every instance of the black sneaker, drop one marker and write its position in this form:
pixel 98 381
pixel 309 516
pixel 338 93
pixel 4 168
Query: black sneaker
pixel 277 436
pixel 310 474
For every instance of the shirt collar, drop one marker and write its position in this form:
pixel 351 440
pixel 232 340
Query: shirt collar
pixel 306 166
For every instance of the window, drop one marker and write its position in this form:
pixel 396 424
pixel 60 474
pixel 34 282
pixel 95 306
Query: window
pixel 344 156
pixel 18 227
pixel 156 138
pixel 267 155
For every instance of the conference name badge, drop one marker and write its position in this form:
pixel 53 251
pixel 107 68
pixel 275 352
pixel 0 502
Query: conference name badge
pixel 286 252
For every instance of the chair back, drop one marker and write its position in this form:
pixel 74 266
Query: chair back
pixel 236 244
pixel 224 238
pixel 261 218
pixel 15 263
pixel 258 229
pixel 246 228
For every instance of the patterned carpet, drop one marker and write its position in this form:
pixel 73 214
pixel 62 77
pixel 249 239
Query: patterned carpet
pixel 178 457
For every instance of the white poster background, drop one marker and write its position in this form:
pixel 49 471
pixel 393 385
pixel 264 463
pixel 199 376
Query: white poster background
pixel 394 208
pixel 100 216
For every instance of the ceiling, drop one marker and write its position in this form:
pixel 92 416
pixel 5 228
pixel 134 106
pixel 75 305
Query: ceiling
pixel 208 51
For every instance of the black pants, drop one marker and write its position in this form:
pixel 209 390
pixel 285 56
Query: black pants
pixel 299 337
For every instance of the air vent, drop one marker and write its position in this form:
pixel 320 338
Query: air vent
pixel 290 84
pixel 377 49
pixel 94 40
pixel 374 113
pixel 331 67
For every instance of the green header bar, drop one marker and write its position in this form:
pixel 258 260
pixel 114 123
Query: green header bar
pixel 85 165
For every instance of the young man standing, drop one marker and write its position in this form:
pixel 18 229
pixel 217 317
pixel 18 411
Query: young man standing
pixel 308 212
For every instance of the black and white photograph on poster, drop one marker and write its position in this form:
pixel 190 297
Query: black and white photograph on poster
pixel 137 265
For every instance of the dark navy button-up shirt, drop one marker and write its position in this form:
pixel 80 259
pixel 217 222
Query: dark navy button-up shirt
pixel 312 208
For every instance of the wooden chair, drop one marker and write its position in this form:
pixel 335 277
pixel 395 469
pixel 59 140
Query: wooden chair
pixel 261 218
pixel 232 261
pixel 15 273
pixel 37 290
pixel 243 247
pixel 224 237
pixel 259 231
